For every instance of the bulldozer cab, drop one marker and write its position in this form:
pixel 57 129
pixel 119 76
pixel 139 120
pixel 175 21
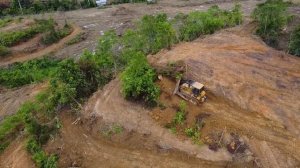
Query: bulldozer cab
pixel 190 90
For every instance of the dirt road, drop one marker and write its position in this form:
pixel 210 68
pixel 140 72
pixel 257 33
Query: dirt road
pixel 78 147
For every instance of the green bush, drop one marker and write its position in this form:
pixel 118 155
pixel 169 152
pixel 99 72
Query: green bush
pixel 69 82
pixel 97 69
pixel 294 43
pixel 39 156
pixel 78 38
pixel 138 81
pixel 271 17
pixel 4 51
pixel 20 74
pixel 53 35
pixel 153 33
pixel 200 23
pixel 157 33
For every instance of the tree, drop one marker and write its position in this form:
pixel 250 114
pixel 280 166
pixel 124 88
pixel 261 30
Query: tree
pixel 138 80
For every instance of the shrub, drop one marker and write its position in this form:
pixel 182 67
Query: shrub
pixel 294 43
pixel 53 35
pixel 27 72
pixel 68 83
pixel 4 51
pixel 271 16
pixel 157 33
pixel 78 38
pixel 201 23
pixel 97 69
pixel 39 156
pixel 138 81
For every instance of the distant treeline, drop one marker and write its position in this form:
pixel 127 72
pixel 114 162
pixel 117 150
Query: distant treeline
pixel 17 7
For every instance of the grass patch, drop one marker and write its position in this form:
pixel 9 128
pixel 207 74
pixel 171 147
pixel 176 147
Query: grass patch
pixel 9 39
pixel 4 51
pixel 32 71
pixel 5 21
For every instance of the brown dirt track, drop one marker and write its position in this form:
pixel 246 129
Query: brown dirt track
pixel 20 57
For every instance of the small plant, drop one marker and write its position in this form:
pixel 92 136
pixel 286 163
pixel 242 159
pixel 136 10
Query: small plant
pixel 179 118
pixel 112 130
pixel 294 43
pixel 78 38
pixel 193 133
pixel 117 129
pixel 182 106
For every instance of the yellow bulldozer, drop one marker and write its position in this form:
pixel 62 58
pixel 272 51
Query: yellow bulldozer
pixel 190 90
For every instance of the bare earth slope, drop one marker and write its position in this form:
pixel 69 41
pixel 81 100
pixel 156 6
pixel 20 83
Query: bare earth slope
pixel 255 90
pixel 240 68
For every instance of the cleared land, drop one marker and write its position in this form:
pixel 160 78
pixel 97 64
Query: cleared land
pixel 252 92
